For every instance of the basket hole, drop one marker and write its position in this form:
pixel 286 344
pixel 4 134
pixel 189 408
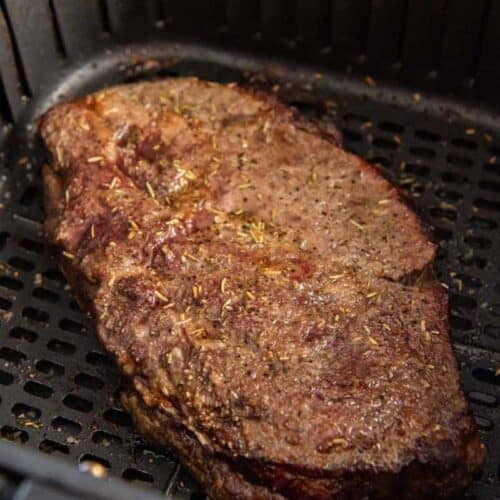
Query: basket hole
pixel 73 305
pixel 66 425
pixel 53 447
pixel 61 347
pixel 483 423
pixel 355 118
pixel 482 223
pixel 351 135
pixel 46 295
pixel 197 495
pixel 396 128
pixel 477 242
pixel 6 378
pixel 485 375
pixel 490 186
pixel 32 245
pixel 21 333
pixel 117 394
pixel 458 160
pixel 309 108
pixel 106 439
pixel 5 304
pixel 55 275
pixel 441 234
pixel 441 253
pixel 49 368
pixel 487 204
pixel 417 189
pixel 133 475
pixel 99 359
pixel 473 260
pixel 462 302
pixel 26 414
pixel 36 315
pixel 386 143
pixel 12 356
pixel 492 331
pixel 427 135
pixel 71 326
pixel 10 283
pixel 78 403
pixel 443 213
pixel 38 390
pixel 4 236
pixel 21 264
pixel 492 169
pixel 422 152
pixel 470 281
pixel 454 178
pixel 29 195
pixel 460 323
pixel 89 381
pixel 13 434
pixel 464 143
pixel 483 399
pixel 88 457
pixel 117 417
pixel 447 195
pixel 416 169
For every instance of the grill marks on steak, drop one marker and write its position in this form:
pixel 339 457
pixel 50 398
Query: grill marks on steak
pixel 248 275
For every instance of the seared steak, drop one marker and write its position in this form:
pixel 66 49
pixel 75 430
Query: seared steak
pixel 267 295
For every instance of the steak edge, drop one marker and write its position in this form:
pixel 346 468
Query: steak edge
pixel 268 297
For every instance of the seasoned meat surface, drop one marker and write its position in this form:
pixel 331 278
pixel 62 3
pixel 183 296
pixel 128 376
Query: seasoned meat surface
pixel 268 296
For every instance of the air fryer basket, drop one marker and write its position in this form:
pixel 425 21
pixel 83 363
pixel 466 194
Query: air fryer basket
pixel 431 127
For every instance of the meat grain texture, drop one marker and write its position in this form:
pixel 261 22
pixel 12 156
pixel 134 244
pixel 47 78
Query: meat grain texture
pixel 267 295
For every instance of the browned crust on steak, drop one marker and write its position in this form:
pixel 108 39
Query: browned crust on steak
pixel 267 295
pixel 230 479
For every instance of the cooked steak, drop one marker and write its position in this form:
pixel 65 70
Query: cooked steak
pixel 268 296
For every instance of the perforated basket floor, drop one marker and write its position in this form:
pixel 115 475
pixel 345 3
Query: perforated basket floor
pixel 59 390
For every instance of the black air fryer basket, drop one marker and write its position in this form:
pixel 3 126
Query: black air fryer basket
pixel 414 86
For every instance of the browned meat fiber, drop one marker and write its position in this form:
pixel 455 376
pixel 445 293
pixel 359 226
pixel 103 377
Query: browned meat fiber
pixel 266 294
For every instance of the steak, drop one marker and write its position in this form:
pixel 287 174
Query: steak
pixel 268 297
